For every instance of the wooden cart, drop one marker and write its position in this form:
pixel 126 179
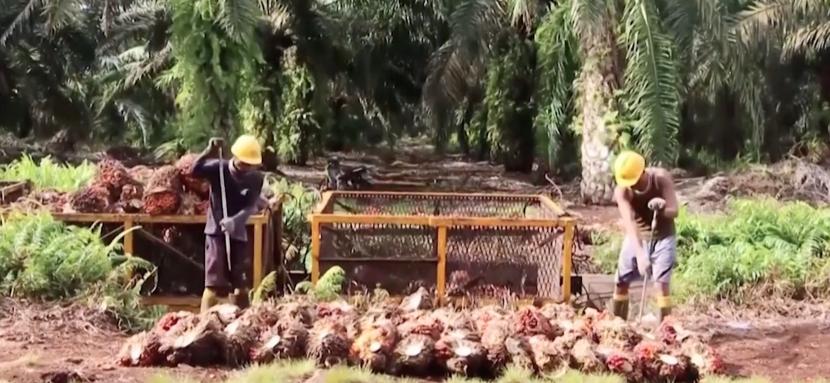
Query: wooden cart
pixel 10 191
pixel 265 231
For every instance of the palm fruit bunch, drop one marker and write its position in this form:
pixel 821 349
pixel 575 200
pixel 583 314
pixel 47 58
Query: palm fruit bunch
pixel 617 333
pixel 548 356
pixel 373 348
pixel 493 325
pixel 659 364
pixel 90 199
pixel 328 343
pixel 529 321
pixel 196 341
pixel 241 338
pixel 418 332
pixel 459 349
pixel 287 339
pixel 143 349
pixel 193 184
pixel 584 356
pixel 163 192
pixel 130 198
pixel 112 175
pixel 409 338
pixel 140 174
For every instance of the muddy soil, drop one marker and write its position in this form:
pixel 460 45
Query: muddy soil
pixel 796 353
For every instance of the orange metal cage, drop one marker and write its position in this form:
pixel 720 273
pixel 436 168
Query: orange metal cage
pixel 522 243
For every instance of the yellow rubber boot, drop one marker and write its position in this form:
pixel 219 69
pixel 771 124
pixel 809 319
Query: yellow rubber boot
pixel 664 304
pixel 239 297
pixel 619 305
pixel 209 299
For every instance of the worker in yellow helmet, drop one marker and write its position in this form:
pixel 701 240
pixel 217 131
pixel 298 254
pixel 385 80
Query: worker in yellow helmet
pixel 641 194
pixel 243 185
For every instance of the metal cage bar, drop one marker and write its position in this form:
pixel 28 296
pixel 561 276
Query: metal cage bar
pixel 377 214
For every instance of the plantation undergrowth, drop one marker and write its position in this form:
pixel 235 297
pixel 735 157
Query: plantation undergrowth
pixel 48 174
pixel 44 259
pixel 754 248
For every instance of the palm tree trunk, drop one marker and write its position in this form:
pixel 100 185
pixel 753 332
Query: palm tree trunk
pixel 597 81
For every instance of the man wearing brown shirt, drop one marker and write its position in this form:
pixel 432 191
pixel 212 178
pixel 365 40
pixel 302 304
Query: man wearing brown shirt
pixel 643 194
pixel 243 184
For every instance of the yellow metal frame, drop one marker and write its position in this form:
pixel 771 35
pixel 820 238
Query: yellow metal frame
pixel 259 222
pixel 322 215
pixel 11 188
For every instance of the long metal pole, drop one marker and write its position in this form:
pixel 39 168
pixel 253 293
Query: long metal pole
pixel 652 246
pixel 224 208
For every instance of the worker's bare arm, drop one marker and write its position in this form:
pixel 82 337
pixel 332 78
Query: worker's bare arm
pixel 669 195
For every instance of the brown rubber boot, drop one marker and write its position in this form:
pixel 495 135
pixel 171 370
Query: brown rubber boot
pixel 209 299
pixel 619 306
pixel 664 304
pixel 239 297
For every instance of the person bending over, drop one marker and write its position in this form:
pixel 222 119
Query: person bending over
pixel 640 194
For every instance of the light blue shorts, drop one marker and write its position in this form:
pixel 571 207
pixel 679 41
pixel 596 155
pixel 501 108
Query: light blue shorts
pixel 662 260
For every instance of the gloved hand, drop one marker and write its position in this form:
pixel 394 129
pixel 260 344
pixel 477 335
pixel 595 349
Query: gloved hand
pixel 657 204
pixel 228 225
pixel 643 263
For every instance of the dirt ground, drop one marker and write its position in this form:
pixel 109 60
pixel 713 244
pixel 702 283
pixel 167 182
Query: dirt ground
pixel 40 343
pixel 791 354
pixel 47 343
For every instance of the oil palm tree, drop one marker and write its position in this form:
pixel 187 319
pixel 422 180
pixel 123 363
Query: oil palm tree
pixel 625 78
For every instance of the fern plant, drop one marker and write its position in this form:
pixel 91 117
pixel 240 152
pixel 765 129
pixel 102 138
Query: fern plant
pixel 47 174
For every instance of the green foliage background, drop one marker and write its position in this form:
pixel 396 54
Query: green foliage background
pixel 756 248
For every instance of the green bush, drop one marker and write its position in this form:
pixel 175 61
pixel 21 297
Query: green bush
pixel 42 258
pixel 296 231
pixel 756 246
pixel 48 174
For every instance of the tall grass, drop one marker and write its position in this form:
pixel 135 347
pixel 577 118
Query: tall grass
pixel 755 247
pixel 48 174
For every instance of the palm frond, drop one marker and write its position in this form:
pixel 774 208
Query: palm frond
pixel 458 62
pixel 237 17
pixel 60 14
pixel 769 22
pixel 811 40
pixel 555 50
pixel 21 19
pixel 523 13
pixel 651 83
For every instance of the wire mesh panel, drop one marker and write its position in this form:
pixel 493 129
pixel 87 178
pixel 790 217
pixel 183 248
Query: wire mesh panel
pixel 496 245
pixel 493 206
pixel 499 260
pixel 397 258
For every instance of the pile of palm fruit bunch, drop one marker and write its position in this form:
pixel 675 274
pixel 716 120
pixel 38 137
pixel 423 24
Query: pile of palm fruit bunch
pixel 409 337
pixel 169 189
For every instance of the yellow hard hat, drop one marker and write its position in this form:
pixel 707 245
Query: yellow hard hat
pixel 247 149
pixel 628 167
